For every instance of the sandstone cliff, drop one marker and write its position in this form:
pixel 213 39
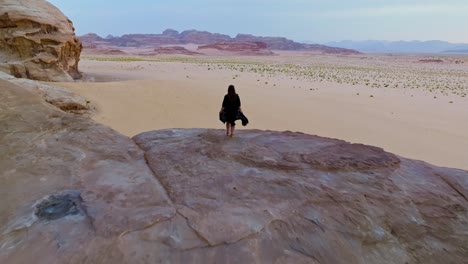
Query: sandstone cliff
pixel 73 191
pixel 37 41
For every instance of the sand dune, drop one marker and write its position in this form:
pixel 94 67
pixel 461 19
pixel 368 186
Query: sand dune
pixel 137 96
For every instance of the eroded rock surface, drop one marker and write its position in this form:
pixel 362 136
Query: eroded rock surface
pixel 295 198
pixel 54 95
pixel 37 41
pixel 44 152
pixel 73 191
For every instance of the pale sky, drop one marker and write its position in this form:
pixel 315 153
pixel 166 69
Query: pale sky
pixel 300 20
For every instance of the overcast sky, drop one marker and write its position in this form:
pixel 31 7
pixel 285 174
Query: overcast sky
pixel 313 20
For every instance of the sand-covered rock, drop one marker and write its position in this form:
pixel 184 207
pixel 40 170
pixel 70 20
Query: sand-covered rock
pixel 73 191
pixel 37 41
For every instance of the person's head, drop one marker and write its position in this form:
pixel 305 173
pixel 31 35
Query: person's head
pixel 231 90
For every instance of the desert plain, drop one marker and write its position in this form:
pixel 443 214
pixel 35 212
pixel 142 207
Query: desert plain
pixel 413 105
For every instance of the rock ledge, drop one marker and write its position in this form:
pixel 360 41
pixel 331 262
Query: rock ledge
pixel 73 191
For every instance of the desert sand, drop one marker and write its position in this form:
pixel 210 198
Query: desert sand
pixel 413 108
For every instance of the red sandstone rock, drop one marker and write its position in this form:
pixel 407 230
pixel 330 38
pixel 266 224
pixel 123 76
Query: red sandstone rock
pixel 73 191
pixel 44 152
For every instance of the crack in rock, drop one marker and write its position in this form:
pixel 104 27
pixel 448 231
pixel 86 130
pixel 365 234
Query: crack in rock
pixel 452 186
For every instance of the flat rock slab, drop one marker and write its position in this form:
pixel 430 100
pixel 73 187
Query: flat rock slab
pixel 274 197
pixel 73 191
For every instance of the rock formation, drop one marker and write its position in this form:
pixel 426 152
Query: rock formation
pixel 73 191
pixel 329 50
pixel 171 36
pixel 239 48
pixel 278 43
pixel 172 51
pixel 92 39
pixel 275 43
pixel 202 37
pixel 142 40
pixel 171 33
pixel 93 50
pixel 37 41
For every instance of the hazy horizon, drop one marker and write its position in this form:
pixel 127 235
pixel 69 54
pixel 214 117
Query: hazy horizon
pixel 300 20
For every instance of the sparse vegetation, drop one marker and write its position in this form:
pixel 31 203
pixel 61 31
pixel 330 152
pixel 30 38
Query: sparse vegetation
pixel 436 79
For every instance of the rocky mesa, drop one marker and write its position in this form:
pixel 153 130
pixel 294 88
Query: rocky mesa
pixel 280 43
pixel 37 41
pixel 238 48
pixel 73 191
pixel 173 37
pixel 171 50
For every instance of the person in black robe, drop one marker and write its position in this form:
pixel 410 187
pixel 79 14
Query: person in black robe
pixel 231 106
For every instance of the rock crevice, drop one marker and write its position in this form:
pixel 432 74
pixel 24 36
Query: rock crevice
pixel 456 187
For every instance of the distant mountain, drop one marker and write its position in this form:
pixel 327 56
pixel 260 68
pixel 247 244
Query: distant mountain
pixel 91 39
pixel 456 51
pixel 173 37
pixel 280 43
pixel 240 48
pixel 432 46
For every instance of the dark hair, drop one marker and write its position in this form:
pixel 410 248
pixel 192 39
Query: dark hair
pixel 231 92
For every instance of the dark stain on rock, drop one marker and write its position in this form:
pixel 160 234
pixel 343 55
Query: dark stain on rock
pixel 60 205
